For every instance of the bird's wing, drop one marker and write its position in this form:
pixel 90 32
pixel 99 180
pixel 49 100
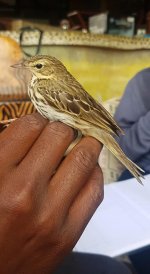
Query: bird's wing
pixel 69 96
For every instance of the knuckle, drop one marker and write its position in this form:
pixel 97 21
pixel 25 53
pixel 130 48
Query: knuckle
pixel 17 205
pixel 46 227
pixel 83 158
pixel 33 121
pixel 93 144
pixel 61 130
pixel 21 207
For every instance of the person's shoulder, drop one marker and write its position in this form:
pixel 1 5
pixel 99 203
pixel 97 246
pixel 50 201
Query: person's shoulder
pixel 145 73
pixel 139 84
pixel 142 78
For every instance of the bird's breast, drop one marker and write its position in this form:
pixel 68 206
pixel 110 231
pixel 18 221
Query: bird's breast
pixel 46 110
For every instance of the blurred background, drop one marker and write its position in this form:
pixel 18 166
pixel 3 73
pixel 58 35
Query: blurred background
pixel 103 43
pixel 54 11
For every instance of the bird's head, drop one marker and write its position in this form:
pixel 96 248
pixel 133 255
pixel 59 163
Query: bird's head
pixel 42 66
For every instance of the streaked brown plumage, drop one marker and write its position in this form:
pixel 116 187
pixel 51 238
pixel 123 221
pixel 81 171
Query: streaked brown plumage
pixel 58 96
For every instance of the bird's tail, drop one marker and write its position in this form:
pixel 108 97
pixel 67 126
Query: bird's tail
pixel 113 146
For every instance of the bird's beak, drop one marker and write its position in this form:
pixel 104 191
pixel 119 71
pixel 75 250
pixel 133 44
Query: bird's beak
pixel 18 65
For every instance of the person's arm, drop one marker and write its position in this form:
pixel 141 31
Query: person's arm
pixel 42 212
pixel 133 115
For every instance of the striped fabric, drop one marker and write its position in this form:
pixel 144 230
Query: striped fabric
pixel 9 111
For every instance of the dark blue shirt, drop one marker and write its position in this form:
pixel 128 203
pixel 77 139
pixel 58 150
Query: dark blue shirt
pixel 133 115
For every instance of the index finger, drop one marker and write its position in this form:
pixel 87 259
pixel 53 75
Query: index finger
pixel 17 139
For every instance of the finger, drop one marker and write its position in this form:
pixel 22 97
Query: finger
pixel 17 139
pixel 74 172
pixel 85 204
pixel 46 154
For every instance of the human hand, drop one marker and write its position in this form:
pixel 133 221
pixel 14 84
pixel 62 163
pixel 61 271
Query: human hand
pixel 43 213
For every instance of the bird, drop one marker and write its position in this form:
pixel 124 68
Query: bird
pixel 58 96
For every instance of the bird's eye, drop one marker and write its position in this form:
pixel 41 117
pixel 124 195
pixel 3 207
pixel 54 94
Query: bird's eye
pixel 39 66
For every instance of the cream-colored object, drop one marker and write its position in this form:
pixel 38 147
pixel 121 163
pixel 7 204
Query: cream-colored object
pixel 12 82
pixel 111 167
pixel 10 52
